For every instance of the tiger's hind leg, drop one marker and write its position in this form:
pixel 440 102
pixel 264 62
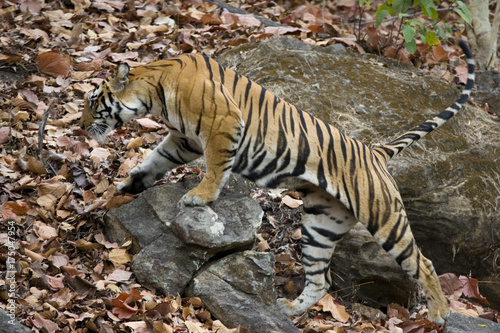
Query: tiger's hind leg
pixel 397 239
pixel 324 221
pixel 173 151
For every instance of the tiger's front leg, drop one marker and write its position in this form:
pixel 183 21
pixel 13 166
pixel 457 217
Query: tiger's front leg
pixel 173 151
pixel 220 152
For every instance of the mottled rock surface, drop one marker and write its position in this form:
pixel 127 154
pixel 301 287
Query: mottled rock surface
pixel 458 323
pixel 11 325
pixel 173 243
pixel 449 181
pixel 247 282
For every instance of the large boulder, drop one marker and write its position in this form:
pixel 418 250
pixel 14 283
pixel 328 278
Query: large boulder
pixel 172 243
pixel 449 181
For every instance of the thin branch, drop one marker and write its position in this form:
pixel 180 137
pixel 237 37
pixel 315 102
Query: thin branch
pixel 41 131
pixel 396 17
pixel 236 10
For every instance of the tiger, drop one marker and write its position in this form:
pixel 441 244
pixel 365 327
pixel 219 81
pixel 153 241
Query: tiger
pixel 239 126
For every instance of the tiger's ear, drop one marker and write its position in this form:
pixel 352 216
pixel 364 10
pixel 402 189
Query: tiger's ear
pixel 120 81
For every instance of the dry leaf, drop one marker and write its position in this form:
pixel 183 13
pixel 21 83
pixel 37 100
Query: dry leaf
pixel 134 143
pixel 119 275
pixel 119 200
pixel 46 324
pixel 291 202
pixel 338 311
pixel 43 230
pixel 47 201
pixel 52 63
pixel 148 123
pixel 195 327
pixel 119 256
pixel 85 245
pixel 11 209
pixel 99 155
pixel 33 256
pixel 35 166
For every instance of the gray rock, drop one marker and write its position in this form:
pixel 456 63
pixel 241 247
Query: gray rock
pixel 246 281
pixel 379 281
pixel 449 181
pixel 488 90
pixel 174 243
pixel 457 323
pixel 11 325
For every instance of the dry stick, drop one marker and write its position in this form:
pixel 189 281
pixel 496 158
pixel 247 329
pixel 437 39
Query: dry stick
pixel 235 10
pixel 354 286
pixel 396 17
pixel 41 131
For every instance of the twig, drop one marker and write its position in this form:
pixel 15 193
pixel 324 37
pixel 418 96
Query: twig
pixel 396 17
pixel 235 10
pixel 354 286
pixel 11 143
pixel 41 131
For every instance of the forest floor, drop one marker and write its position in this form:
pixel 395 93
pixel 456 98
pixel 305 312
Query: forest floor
pixel 56 183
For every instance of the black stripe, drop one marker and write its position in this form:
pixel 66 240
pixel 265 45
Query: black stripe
pixel 390 240
pixel 286 161
pixel 302 154
pixel 302 119
pixel 346 191
pixel 406 253
pixel 247 92
pixel 321 271
pixel 332 236
pixel 169 157
pixel 321 175
pixel 316 210
pixel 343 146
pixel 308 239
pixel 319 131
pixel 242 163
pixel 314 259
pixel 331 155
pixel 235 83
pixel 209 67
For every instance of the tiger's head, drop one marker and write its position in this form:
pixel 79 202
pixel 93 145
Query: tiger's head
pixel 106 107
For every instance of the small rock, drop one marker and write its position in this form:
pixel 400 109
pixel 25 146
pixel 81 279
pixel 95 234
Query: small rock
pixel 239 290
pixel 11 325
pixel 457 323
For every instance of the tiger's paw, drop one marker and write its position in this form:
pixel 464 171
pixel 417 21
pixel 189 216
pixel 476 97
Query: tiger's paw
pixel 287 307
pixel 136 182
pixel 439 316
pixel 197 197
pixel 192 200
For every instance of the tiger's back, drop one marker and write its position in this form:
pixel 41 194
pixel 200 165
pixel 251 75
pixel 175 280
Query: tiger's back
pixel 239 126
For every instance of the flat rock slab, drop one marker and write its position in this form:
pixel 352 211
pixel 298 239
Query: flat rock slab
pixel 457 323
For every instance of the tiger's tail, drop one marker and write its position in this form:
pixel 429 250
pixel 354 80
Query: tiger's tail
pixel 391 149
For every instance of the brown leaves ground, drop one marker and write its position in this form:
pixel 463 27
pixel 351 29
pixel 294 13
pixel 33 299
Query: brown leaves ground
pixel 68 278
